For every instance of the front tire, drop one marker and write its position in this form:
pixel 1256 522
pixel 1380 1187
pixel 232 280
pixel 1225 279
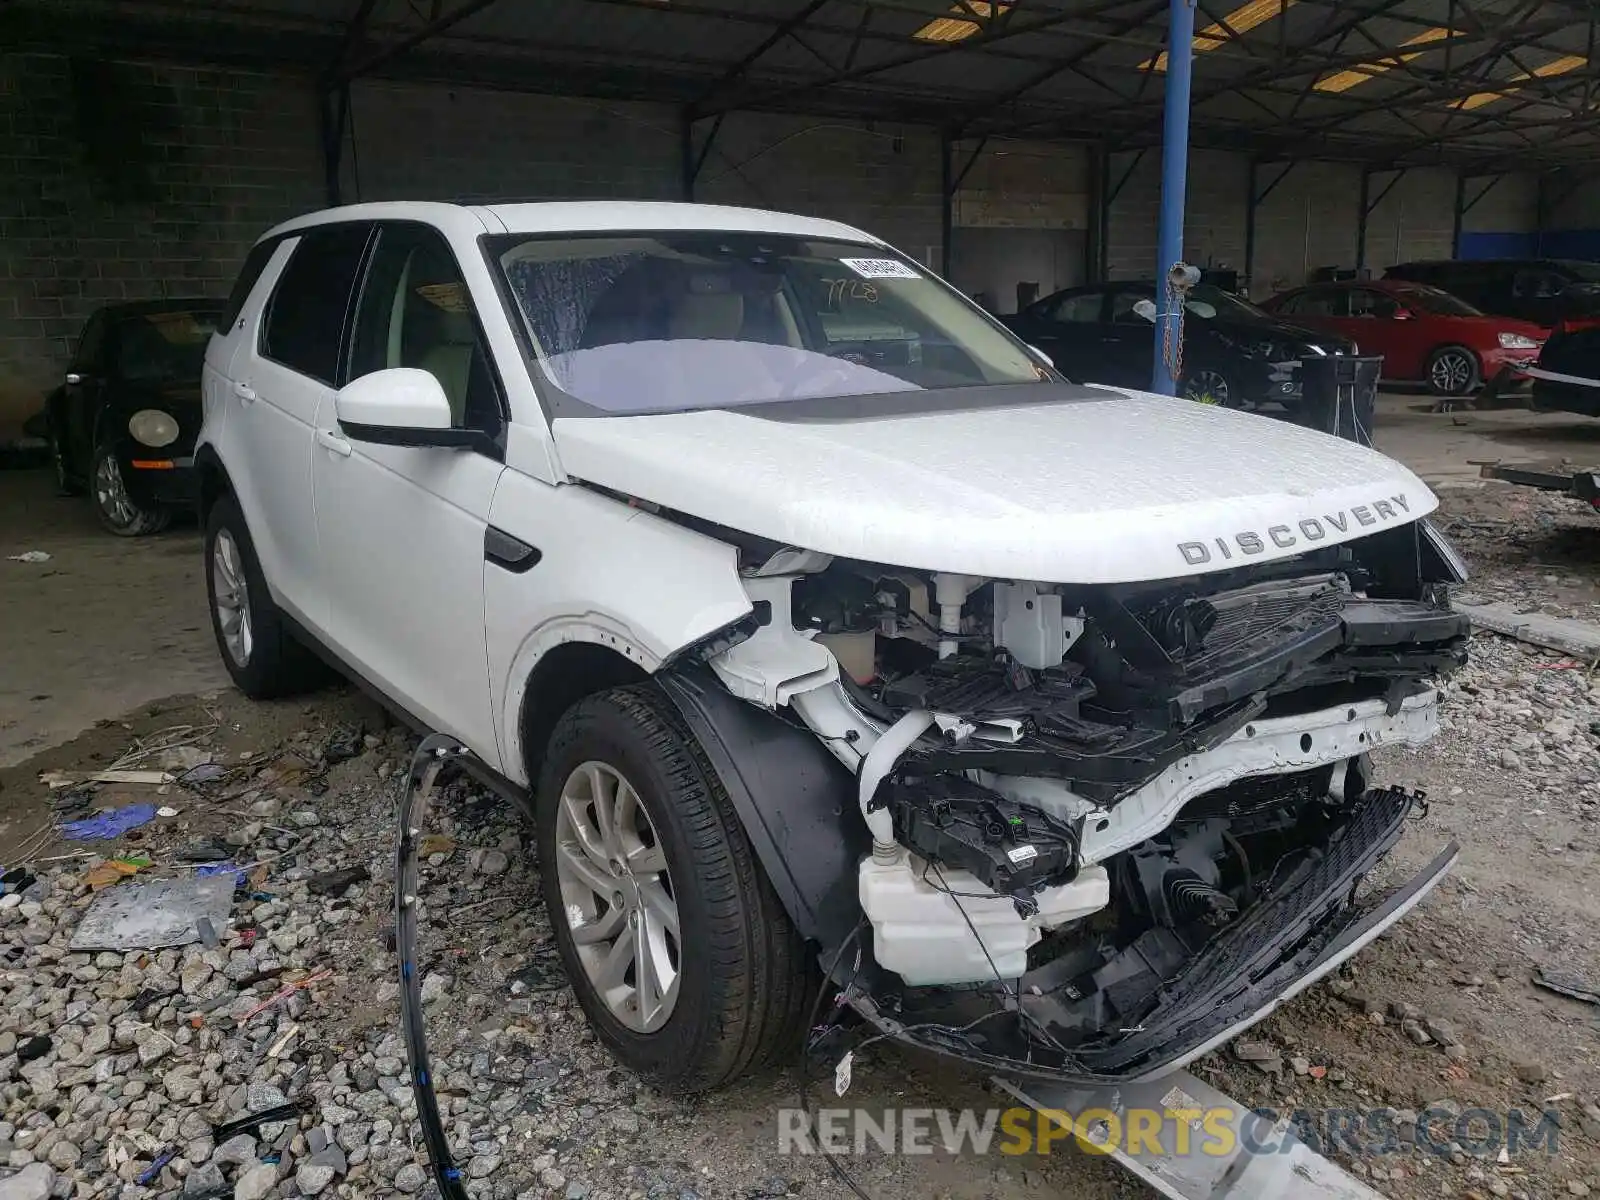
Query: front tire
pixel 118 511
pixel 678 950
pixel 260 653
pixel 1210 386
pixel 1453 371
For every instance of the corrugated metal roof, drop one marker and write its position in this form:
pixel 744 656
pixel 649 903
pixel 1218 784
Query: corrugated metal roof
pixel 1383 80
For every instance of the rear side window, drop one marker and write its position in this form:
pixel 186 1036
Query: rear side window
pixel 254 263
pixel 305 317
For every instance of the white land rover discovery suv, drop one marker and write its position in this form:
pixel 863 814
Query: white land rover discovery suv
pixel 821 623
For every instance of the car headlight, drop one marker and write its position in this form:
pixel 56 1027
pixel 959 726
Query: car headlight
pixel 1446 560
pixel 153 427
pixel 1517 341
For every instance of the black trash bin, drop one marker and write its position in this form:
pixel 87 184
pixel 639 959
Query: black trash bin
pixel 1339 394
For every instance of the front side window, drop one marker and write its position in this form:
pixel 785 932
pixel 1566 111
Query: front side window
pixel 166 346
pixel 305 317
pixel 1364 303
pixel 634 323
pixel 415 311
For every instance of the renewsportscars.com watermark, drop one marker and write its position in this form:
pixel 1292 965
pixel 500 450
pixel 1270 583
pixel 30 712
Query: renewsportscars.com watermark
pixel 1216 1132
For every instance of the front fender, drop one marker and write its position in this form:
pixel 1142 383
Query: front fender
pixel 795 800
pixel 604 573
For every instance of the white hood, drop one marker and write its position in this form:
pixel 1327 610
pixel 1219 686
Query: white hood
pixel 1100 487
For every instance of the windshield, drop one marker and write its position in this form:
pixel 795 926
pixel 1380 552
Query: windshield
pixel 164 347
pixel 1209 302
pixel 668 322
pixel 1433 300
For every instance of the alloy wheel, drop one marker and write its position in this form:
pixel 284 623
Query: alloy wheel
pixel 1209 387
pixel 111 493
pixel 1451 372
pixel 617 896
pixel 232 592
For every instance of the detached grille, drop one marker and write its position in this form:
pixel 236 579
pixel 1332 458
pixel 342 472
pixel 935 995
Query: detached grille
pixel 1200 633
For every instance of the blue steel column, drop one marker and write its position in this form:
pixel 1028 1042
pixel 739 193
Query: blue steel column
pixel 1174 177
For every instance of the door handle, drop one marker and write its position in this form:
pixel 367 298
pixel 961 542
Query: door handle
pixel 244 391
pixel 332 441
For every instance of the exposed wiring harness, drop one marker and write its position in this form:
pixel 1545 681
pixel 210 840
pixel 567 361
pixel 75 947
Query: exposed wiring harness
pixel 426 763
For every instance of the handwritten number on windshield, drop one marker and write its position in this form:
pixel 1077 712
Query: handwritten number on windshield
pixel 852 289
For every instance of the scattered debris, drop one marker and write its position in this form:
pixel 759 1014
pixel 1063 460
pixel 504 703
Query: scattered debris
pixel 114 870
pixel 64 779
pixel 1567 983
pixel 110 824
pixel 153 914
pixel 335 883
pixel 31 556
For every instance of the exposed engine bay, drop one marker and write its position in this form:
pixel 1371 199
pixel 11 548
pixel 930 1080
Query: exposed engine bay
pixel 1105 822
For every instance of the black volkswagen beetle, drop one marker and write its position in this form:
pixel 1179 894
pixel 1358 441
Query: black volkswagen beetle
pixel 1234 354
pixel 123 423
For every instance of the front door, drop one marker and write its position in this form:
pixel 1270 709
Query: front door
pixel 401 528
pixel 82 396
pixel 1068 327
pixel 1128 340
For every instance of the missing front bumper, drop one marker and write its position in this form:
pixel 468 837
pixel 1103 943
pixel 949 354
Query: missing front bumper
pixel 1275 951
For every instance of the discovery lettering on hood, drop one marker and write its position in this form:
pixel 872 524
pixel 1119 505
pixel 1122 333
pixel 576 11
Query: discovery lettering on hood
pixel 1249 542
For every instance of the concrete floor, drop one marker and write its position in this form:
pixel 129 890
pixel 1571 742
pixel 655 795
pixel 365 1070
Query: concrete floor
pixel 106 625
pixel 109 623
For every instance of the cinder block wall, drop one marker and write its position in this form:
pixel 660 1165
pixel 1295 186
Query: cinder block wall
pixel 223 155
pixel 1309 220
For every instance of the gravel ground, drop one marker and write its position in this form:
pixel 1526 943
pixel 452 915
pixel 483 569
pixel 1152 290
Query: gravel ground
pixel 113 1063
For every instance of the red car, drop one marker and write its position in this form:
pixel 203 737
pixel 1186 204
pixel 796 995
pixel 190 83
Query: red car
pixel 1425 335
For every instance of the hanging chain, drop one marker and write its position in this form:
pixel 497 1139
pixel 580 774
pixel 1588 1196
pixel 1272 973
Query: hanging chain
pixel 1172 355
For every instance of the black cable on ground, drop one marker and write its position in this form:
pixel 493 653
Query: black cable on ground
pixel 839 1170
pixel 426 764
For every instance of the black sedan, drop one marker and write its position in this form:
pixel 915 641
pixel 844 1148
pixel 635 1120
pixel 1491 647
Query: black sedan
pixel 122 426
pixel 1234 354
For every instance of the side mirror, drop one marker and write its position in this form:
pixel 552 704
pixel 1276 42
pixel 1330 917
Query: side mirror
pixel 1147 310
pixel 1402 314
pixel 1048 361
pixel 400 406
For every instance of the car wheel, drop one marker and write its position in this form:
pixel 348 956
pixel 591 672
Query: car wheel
pixel 66 485
pixel 1209 386
pixel 118 511
pixel 1453 371
pixel 260 653
pixel 676 945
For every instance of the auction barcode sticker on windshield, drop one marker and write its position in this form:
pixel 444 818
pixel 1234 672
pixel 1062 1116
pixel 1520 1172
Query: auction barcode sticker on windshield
pixel 879 268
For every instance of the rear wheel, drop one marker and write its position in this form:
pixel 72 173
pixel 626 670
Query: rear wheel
pixel 118 511
pixel 260 653
pixel 1453 371
pixel 676 946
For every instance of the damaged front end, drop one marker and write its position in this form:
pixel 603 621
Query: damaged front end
pixel 1079 832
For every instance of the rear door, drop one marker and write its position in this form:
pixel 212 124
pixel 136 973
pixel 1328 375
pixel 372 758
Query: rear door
pixel 282 373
